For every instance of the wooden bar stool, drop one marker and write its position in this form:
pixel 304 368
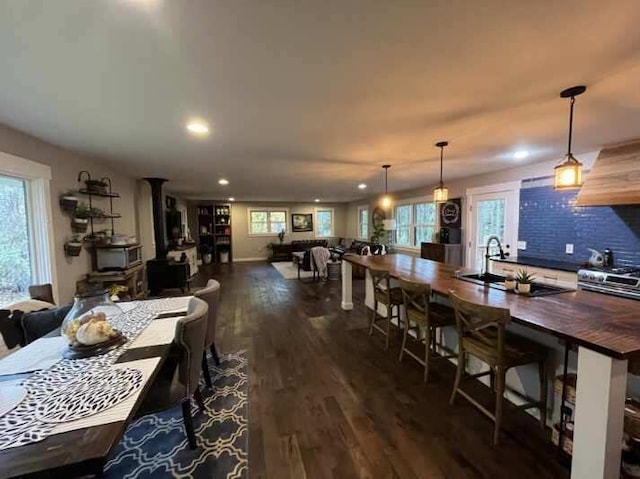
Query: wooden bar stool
pixel 390 297
pixel 482 333
pixel 427 316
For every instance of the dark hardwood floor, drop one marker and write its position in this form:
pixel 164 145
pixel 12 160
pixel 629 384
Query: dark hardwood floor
pixel 326 400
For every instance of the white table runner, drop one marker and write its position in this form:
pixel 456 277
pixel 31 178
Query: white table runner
pixel 120 411
pixel 41 354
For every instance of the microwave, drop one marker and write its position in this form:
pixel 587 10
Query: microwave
pixel 118 258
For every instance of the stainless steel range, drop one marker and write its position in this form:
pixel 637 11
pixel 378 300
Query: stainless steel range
pixel 623 281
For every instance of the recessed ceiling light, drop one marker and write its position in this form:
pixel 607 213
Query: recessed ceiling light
pixel 223 181
pixel 232 199
pixel 317 200
pixel 198 127
pixel 521 154
pixel 362 186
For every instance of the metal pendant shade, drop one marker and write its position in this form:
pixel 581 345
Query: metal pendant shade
pixel 568 174
pixel 441 193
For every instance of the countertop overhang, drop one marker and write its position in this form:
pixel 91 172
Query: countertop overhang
pixel 603 323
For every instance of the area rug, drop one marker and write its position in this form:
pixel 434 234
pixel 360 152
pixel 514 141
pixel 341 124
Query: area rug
pixel 288 270
pixel 155 446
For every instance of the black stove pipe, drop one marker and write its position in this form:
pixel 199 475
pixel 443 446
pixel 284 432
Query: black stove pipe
pixel 158 216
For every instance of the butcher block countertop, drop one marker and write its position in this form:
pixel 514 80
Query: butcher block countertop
pixel 603 323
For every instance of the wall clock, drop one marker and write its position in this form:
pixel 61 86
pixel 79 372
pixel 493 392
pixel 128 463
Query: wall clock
pixel 378 217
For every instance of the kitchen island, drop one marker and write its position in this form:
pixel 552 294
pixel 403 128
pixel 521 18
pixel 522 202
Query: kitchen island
pixel 605 328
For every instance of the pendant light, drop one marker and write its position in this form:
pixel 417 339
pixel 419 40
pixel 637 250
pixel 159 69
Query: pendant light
pixel 440 193
pixel 568 174
pixel 386 199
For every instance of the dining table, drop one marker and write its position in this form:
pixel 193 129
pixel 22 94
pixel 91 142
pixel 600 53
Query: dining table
pixel 44 435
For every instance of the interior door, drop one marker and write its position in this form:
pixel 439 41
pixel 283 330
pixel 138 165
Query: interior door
pixel 492 211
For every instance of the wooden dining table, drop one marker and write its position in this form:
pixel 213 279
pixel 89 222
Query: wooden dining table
pixel 82 451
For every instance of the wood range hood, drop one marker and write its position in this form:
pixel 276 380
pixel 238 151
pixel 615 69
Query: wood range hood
pixel 614 178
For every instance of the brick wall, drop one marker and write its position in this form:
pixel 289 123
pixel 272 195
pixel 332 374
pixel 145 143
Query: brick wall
pixel 549 220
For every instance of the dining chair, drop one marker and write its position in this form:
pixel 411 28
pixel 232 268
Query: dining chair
pixel 427 316
pixel 390 297
pixel 211 295
pixel 482 333
pixel 43 292
pixel 177 382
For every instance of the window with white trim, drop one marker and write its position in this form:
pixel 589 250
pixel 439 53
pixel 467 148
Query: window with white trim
pixel 363 222
pixel 416 222
pixel 267 221
pixel 26 237
pixel 324 222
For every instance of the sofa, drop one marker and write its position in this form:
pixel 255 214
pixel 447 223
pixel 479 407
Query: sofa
pixel 304 245
pixel 353 246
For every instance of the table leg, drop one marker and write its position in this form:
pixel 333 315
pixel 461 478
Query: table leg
pixel 599 416
pixel 347 290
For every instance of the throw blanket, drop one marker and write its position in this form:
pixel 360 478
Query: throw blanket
pixel 320 257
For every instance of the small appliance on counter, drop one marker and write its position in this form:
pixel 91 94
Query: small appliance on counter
pixel 116 257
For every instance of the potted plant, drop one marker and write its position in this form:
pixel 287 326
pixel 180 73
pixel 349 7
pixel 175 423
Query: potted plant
pixel 80 219
pixel 378 233
pixel 510 282
pixel 206 251
pixel 524 280
pixel 114 290
pixel 69 201
pixel 281 236
pixel 74 246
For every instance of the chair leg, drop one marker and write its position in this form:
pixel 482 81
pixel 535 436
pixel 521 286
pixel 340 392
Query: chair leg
pixel 427 351
pixel 373 317
pixel 197 395
pixel 500 378
pixel 389 314
pixel 214 353
pixel 404 339
pixel 542 370
pixel 188 424
pixel 205 370
pixel 459 371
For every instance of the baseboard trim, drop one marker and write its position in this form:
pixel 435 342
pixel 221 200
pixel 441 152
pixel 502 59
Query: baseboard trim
pixel 246 260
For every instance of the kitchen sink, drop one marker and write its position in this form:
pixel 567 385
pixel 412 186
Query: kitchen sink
pixel 496 281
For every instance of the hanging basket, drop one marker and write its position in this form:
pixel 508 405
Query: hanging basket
pixel 68 202
pixel 72 248
pixel 79 225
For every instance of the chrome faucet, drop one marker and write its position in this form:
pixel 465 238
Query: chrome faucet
pixel 487 256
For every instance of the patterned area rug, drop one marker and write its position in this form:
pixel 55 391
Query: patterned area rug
pixel 155 446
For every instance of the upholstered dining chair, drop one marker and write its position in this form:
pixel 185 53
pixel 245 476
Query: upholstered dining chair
pixel 43 292
pixel 179 377
pixel 482 333
pixel 211 295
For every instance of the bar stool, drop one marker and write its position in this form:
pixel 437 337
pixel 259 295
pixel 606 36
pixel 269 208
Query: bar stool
pixel 482 333
pixel 390 297
pixel 427 316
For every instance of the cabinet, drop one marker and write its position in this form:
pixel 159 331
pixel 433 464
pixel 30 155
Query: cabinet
pixel 281 252
pixel 552 277
pixel 443 253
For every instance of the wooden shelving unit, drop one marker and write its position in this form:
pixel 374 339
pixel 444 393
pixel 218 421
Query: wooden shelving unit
pixel 214 230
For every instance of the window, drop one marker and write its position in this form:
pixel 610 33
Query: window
pixel 363 222
pixel 324 222
pixel 15 255
pixel 27 253
pixel 267 221
pixel 403 225
pixel 415 223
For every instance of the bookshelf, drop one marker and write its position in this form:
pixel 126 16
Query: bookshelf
pixel 214 230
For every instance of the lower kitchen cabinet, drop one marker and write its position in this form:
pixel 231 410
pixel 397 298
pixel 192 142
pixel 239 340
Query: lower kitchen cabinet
pixel 552 277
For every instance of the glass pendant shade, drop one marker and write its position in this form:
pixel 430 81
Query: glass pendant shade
pixel 440 194
pixel 386 201
pixel 568 174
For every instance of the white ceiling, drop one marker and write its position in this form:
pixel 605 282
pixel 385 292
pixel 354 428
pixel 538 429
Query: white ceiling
pixel 308 98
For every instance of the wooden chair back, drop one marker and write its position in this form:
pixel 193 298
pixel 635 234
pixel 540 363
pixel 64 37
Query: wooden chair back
pixel 415 297
pixel 381 280
pixel 43 292
pixel 485 324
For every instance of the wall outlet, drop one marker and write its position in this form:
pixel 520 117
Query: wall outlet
pixel 568 248
pixel 522 245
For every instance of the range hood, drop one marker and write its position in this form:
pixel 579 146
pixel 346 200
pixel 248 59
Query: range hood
pixel 614 178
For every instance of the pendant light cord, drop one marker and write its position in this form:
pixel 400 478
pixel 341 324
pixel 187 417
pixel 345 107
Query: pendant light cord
pixel 573 100
pixel 441 160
